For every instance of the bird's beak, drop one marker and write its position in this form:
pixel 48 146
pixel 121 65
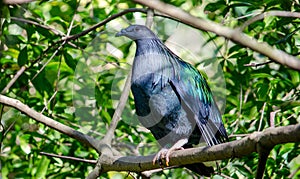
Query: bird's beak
pixel 121 33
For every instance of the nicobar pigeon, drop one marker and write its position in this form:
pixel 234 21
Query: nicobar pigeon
pixel 172 99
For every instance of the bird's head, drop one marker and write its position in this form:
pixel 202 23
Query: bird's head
pixel 136 32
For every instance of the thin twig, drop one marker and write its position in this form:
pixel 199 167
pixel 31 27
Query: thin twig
pixel 112 17
pixel 261 116
pixel 56 88
pixel 246 95
pixel 225 176
pixel 272 117
pixel 22 70
pixel 44 65
pixel 69 158
pixel 148 173
pixel 14 79
pixel 294 173
pixel 55 31
pixel 248 15
pixel 51 98
pixel 269 13
pixel 240 100
pixel 257 64
pixel 105 21
pixel 58 72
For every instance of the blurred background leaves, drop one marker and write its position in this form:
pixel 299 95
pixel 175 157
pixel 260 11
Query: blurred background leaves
pixel 79 83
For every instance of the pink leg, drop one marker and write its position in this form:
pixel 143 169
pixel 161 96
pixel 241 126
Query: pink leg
pixel 164 152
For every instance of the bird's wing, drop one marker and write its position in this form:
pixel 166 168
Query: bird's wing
pixel 196 97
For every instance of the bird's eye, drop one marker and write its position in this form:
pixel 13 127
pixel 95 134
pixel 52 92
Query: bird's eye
pixel 137 29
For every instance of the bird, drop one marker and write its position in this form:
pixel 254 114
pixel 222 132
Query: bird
pixel 172 98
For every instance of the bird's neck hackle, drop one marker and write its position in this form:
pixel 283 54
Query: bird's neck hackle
pixel 153 57
pixel 148 45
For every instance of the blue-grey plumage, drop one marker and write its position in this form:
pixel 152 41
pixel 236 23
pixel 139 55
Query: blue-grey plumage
pixel 172 99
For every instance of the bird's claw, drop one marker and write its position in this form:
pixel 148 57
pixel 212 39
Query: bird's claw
pixel 167 155
pixel 158 157
pixel 164 153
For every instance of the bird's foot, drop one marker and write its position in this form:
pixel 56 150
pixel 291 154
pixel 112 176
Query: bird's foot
pixel 169 153
pixel 159 156
pixel 165 153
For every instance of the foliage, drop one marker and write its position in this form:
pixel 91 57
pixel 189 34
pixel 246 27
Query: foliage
pixel 79 82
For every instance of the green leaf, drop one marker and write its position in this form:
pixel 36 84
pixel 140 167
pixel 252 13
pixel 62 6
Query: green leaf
pixel 262 91
pixel 4 12
pixel 23 57
pixel 243 170
pixel 12 40
pixel 44 32
pixel 24 144
pixel 261 75
pixel 70 61
pixel 295 77
pixel 42 167
pixel 212 7
pixel 42 84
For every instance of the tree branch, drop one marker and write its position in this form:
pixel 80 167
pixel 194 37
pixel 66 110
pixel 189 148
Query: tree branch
pixel 252 143
pixel 257 64
pixel 117 114
pixel 105 21
pixel 55 31
pixel 14 79
pixel 85 139
pixel 17 1
pixel 233 34
pixel 239 148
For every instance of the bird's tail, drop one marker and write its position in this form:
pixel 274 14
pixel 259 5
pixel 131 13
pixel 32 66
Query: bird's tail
pixel 200 169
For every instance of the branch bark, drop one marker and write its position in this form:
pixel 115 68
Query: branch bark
pixel 239 148
pixel 235 35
